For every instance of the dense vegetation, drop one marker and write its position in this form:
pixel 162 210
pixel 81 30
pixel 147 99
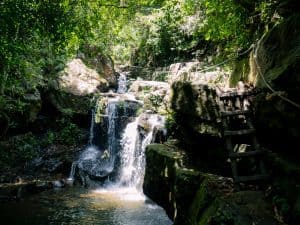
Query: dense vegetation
pixel 38 37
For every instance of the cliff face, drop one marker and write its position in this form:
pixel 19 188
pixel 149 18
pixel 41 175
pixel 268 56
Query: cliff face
pixel 196 113
pixel 278 58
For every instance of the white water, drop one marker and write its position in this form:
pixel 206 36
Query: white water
pixel 91 138
pixel 132 168
pixel 112 115
pixel 100 162
pixel 129 144
pixel 122 82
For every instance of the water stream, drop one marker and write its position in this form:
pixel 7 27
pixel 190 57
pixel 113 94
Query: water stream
pixel 80 206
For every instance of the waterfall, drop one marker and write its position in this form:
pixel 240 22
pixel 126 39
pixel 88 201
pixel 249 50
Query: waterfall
pixel 129 144
pixel 91 138
pixel 122 82
pixel 132 168
pixel 115 153
pixel 111 132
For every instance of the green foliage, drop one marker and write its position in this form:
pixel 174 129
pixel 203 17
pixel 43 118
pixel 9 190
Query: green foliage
pixel 171 125
pixel 222 217
pixel 68 133
pixel 185 29
pixel 282 205
pixel 156 101
pixel 27 146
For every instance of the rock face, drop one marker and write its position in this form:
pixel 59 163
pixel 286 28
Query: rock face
pixel 278 53
pixel 78 79
pixel 197 125
pixel 101 63
pixel 192 72
pixel 154 94
pixel 190 197
pixel 198 103
pixel 72 92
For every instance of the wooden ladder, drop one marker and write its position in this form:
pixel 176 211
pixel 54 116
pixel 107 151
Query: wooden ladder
pixel 237 124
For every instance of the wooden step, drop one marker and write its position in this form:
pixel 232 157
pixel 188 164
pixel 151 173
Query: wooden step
pixel 235 112
pixel 238 132
pixel 246 154
pixel 250 178
pixel 235 94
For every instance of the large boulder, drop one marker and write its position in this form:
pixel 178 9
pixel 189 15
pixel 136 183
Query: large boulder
pixel 103 64
pixel 78 79
pixel 74 88
pixel 195 72
pixel 154 94
pixel 196 108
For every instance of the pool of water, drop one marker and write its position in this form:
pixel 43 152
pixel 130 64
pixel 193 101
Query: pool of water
pixel 78 206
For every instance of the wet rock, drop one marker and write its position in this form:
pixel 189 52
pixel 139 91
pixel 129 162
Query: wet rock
pixel 190 197
pixel 159 134
pixel 95 162
pixel 56 159
pixel 53 165
pixel 58 183
pixel 154 94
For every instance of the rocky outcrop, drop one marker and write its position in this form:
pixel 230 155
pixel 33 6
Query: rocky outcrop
pixel 101 63
pixel 154 94
pixel 78 79
pixel 273 67
pixel 190 197
pixel 195 72
pixel 198 103
pixel 74 89
pixel 197 125
pixel 278 60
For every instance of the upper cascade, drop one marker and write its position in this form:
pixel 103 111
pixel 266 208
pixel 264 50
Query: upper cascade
pixel 122 84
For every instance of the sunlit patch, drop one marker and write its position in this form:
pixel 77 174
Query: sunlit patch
pixel 115 197
pixel 121 193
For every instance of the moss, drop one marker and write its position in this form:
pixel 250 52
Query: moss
pixel 207 215
pixel 202 201
pixel 240 72
pixel 69 104
pixel 163 150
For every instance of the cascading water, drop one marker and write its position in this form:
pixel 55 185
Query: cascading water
pixel 122 84
pixel 129 143
pixel 118 150
pixel 132 168
pixel 91 138
pixel 90 143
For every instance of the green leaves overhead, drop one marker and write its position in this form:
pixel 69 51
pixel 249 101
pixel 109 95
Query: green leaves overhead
pixel 38 36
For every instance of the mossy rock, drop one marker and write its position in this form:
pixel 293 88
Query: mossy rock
pixel 240 208
pixel 240 72
pixel 68 103
pixel 199 103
